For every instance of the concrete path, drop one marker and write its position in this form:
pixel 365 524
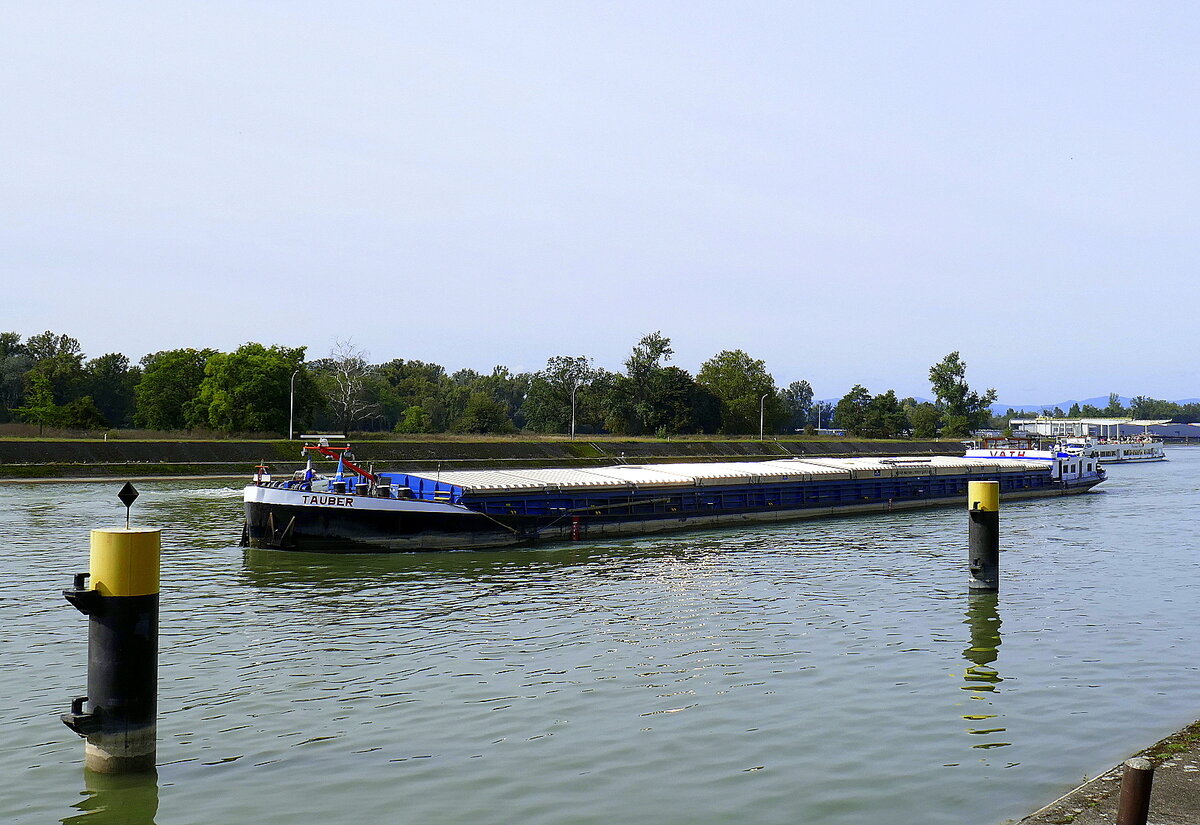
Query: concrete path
pixel 1174 800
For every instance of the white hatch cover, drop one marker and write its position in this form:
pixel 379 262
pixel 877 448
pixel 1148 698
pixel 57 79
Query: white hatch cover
pixel 628 476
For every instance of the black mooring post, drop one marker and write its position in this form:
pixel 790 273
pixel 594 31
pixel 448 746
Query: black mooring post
pixel 983 553
pixel 118 716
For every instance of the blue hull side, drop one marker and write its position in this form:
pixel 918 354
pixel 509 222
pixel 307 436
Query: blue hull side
pixel 317 529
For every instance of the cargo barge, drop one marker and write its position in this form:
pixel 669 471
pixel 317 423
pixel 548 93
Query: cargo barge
pixel 359 511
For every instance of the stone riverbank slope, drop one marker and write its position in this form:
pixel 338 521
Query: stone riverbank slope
pixel 35 459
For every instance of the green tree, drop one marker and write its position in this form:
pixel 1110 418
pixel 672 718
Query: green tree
pixel 652 397
pixel 508 388
pixel 249 390
pixel 39 405
pixel 1115 409
pixel 742 383
pixel 607 402
pixel 456 394
pixel 627 400
pixel 797 403
pixel 82 414
pixel 924 419
pixel 59 359
pixel 548 404
pixel 962 408
pixel 15 363
pixel 483 414
pixel 1142 407
pixel 1188 413
pixel 851 411
pixel 111 382
pixel 884 417
pixel 48 345
pixel 681 404
pixel 636 399
pixel 10 344
pixel 166 395
pixel 415 420
pixel 401 384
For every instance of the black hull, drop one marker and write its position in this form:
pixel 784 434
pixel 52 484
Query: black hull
pixel 332 530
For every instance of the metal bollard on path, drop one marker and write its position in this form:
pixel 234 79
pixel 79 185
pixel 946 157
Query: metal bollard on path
pixel 983 554
pixel 118 716
pixel 1133 807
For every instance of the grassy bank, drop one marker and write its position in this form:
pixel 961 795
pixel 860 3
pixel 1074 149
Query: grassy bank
pixel 25 458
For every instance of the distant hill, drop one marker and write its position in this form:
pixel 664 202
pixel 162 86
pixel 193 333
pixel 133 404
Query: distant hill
pixel 1100 401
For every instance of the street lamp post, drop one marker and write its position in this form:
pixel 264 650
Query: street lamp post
pixel 762 414
pixel 578 384
pixel 292 404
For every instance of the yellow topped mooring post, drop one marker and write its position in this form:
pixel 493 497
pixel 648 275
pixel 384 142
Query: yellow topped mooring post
pixel 120 719
pixel 983 554
pixel 125 562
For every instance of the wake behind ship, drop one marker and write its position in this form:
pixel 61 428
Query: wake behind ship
pixel 360 511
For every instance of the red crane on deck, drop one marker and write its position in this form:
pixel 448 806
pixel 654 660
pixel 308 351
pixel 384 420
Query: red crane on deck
pixel 337 454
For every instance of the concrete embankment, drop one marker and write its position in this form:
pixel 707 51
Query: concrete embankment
pixel 25 460
pixel 1174 797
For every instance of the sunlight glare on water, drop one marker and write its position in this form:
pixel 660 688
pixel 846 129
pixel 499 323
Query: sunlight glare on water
pixel 829 671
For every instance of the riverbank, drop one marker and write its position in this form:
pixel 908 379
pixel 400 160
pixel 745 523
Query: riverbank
pixel 51 459
pixel 1175 795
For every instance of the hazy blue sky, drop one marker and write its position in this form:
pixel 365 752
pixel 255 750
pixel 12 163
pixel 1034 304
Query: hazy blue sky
pixel 846 190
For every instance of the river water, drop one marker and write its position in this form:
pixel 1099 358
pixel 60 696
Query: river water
pixel 831 671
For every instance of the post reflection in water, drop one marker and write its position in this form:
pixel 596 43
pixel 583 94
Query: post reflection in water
pixel 131 799
pixel 982 678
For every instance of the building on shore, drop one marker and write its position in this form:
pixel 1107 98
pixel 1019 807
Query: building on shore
pixel 1107 429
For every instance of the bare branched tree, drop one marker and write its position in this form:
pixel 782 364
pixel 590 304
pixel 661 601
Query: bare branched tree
pixel 349 368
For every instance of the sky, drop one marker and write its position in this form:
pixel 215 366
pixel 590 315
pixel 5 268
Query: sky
pixel 848 191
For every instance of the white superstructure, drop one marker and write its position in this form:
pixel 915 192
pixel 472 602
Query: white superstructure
pixel 1117 452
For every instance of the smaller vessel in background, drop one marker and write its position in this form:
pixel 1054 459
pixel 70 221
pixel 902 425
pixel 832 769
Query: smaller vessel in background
pixel 1109 440
pixel 1104 451
pixel 1125 451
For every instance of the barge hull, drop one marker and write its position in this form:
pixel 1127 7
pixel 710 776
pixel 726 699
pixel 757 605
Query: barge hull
pixel 306 528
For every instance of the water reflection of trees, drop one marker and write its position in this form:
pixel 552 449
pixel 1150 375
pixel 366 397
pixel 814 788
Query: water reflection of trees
pixel 981 676
pixel 116 800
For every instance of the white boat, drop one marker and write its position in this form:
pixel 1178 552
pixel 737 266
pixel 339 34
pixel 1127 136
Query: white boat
pixel 1111 440
pixel 1125 451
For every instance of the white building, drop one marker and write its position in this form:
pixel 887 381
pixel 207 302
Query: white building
pixel 1111 429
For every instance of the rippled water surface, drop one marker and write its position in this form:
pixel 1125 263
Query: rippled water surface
pixel 817 672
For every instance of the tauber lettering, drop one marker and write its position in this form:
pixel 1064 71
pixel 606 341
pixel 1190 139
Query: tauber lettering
pixel 329 501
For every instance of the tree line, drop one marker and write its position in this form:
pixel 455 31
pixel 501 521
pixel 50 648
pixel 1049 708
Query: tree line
pixel 48 381
pixel 1140 407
